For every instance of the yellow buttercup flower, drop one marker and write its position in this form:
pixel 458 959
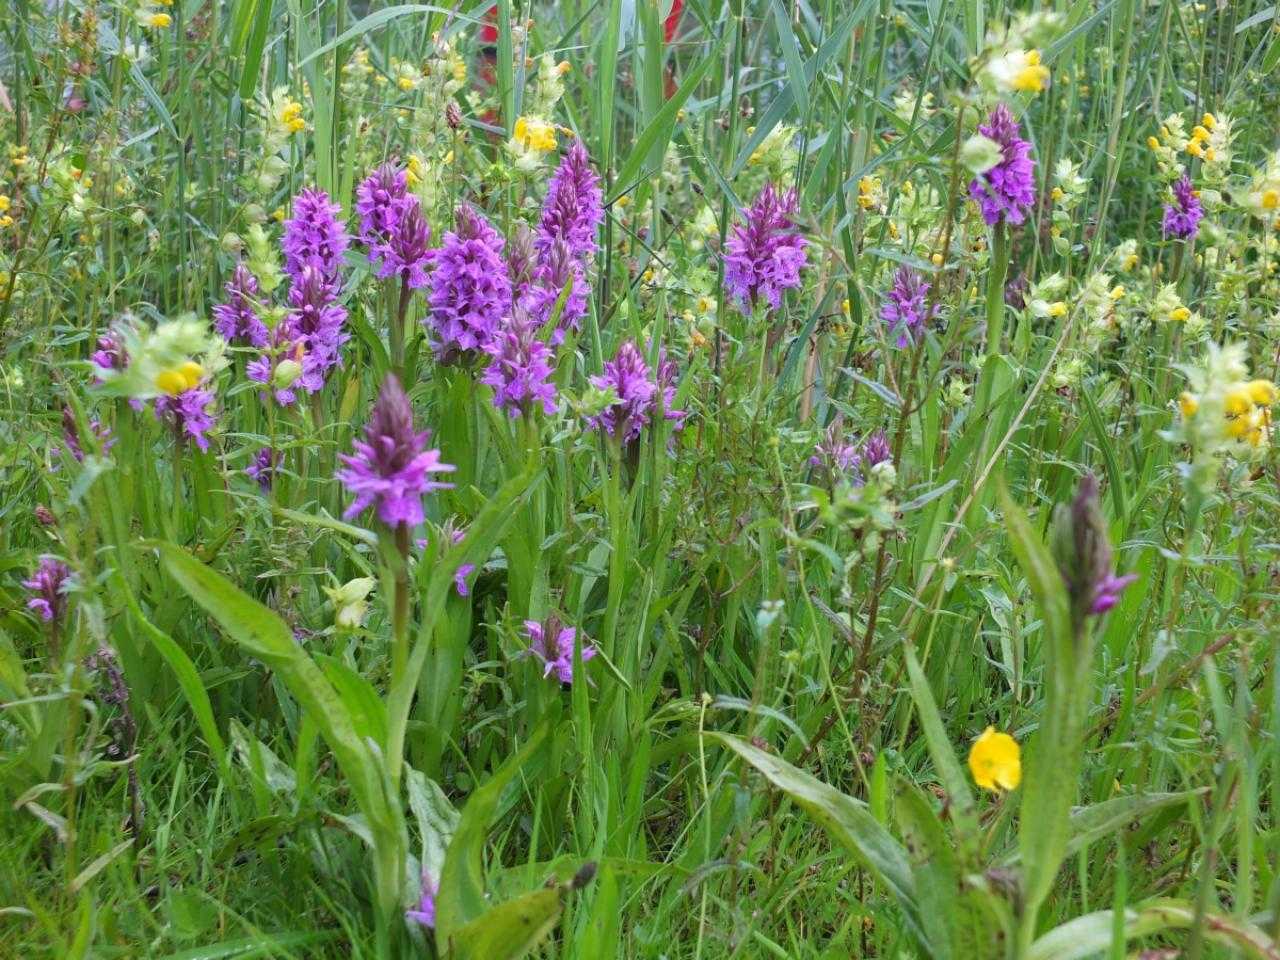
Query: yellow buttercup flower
pixel 995 760
pixel 159 20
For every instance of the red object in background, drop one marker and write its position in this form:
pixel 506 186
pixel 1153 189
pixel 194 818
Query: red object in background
pixel 673 20
pixel 489 32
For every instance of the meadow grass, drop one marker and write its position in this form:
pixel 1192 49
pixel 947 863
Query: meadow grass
pixel 855 435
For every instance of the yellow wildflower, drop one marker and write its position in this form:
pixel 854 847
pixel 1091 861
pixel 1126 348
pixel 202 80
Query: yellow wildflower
pixel 995 760
pixel 1153 143
pixel 535 134
pixel 1208 120
pixel 1188 404
pixel 159 20
pixel 1057 309
pixel 1270 199
pixel 1181 314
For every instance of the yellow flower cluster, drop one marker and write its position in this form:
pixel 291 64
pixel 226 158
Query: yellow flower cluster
pixel 5 219
pixel 290 117
pixel 534 133
pixel 1017 71
pixel 1223 409
pixel 180 379
pixel 1246 411
pixel 870 193
pixel 1198 145
pixel 995 760
pixel 149 16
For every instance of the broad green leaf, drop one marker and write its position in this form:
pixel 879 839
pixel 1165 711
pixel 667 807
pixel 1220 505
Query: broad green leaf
pixel 1087 936
pixel 193 688
pixel 462 890
pixel 847 820
pixel 483 534
pixel 954 779
pixel 437 820
pixel 264 635
pixel 934 868
pixel 1053 756
pixel 509 930
pixel 1100 820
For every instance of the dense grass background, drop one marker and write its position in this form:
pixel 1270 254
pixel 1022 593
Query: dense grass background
pixel 864 636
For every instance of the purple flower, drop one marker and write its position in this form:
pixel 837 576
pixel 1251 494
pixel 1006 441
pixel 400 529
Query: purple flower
pixel 553 271
pixel 48 584
pixel 189 412
pixel 316 321
pixel 71 434
pixel 236 320
pixel 377 198
pixel 520 372
pixel 666 383
pixel 1081 548
pixel 765 255
pixel 627 375
pixel 573 209
pixel 262 369
pixel 1182 217
pixel 263 467
pixel 470 287
pixel 464 570
pixel 1106 592
pixel 426 912
pixel 1006 190
pixel 875 450
pixel 110 354
pixel 405 252
pixel 390 466
pixel 835 455
pixel 522 257
pixel 314 237
pixel 842 460
pixel 552 643
pixel 905 311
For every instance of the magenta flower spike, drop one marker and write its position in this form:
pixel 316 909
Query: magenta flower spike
pixel 470 287
pixel 552 643
pixel 627 375
pixel 573 209
pixel 1182 217
pixel 236 320
pixel 190 412
pixel 405 253
pixel 377 203
pixel 390 468
pixel 318 323
pixel 520 371
pixel 314 237
pixel 1007 190
pixel 765 254
pixel 905 311
pixel 48 585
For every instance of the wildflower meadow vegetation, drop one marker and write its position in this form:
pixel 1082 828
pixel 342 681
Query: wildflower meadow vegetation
pixel 640 479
